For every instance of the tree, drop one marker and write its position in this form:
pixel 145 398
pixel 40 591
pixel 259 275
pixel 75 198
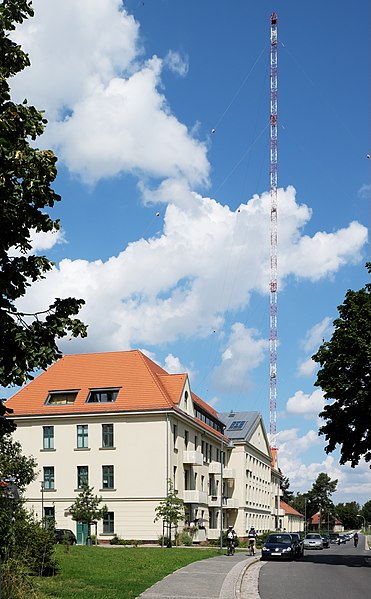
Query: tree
pixel 319 496
pixel 345 377
pixel 366 512
pixel 27 341
pixel 85 508
pixel 287 495
pixel 170 510
pixel 348 514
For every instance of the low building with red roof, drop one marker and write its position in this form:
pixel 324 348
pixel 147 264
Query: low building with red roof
pixel 292 521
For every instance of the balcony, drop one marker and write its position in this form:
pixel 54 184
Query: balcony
pixel 199 497
pixel 194 458
pixel 213 533
pixel 230 503
pixel 229 473
pixel 214 468
pixel 214 501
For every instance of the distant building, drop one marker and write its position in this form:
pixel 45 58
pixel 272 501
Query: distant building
pixel 122 424
pixel 292 521
pixel 325 524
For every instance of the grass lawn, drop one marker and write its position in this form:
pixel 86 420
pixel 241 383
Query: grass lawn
pixel 114 573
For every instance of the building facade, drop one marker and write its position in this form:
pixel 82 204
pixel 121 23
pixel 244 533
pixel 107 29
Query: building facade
pixel 125 426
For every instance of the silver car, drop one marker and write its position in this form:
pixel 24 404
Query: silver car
pixel 313 540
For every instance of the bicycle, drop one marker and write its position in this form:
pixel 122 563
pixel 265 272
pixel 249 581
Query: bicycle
pixel 252 546
pixel 231 547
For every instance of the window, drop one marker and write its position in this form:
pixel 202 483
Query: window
pixel 108 523
pixel 186 400
pixel 48 437
pixel 48 478
pixel 102 395
pixel 49 516
pixel 175 434
pixel 202 482
pixel 186 439
pixel 61 398
pixel 82 476
pixel 82 436
pixel 107 435
pixel 196 442
pixel 174 478
pixel 107 477
pixel 237 425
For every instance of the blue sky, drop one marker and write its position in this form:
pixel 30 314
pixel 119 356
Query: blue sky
pixel 166 224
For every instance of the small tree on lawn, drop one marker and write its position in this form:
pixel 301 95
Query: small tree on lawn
pixel 170 510
pixel 86 508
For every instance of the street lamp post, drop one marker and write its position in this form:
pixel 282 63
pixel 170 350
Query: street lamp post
pixel 364 521
pixel 221 496
pixel 42 504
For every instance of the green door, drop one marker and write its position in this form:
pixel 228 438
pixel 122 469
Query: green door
pixel 82 533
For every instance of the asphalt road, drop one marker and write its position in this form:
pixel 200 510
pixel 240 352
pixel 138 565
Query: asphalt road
pixel 340 572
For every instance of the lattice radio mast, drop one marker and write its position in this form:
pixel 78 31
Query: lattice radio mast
pixel 273 236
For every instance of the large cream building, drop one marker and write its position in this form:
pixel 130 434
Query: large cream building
pixel 121 423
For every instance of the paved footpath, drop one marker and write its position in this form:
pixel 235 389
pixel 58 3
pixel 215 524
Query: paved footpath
pixel 222 577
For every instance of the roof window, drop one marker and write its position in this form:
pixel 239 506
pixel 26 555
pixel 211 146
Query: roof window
pixel 237 425
pixel 61 398
pixel 102 395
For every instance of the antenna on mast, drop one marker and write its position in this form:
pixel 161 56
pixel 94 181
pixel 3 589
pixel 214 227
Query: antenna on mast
pixel 273 239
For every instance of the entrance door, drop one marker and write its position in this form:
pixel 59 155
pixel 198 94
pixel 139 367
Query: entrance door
pixel 82 531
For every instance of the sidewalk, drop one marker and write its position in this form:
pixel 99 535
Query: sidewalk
pixel 214 578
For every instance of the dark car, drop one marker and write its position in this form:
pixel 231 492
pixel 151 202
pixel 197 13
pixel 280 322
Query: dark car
pixel 278 546
pixel 299 544
pixel 325 541
pixel 64 535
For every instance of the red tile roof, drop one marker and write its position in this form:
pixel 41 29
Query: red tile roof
pixel 143 385
pixel 315 519
pixel 289 509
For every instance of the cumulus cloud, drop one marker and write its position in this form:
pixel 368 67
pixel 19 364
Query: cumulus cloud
pixel 183 282
pixel 244 352
pixel 106 113
pixel 306 404
pixel 315 336
pixel 307 367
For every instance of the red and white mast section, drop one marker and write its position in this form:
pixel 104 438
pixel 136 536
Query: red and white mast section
pixel 273 235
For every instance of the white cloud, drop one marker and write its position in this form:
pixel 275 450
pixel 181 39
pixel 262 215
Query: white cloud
pixel 315 336
pixel 183 282
pixel 307 404
pixel 364 191
pixel 176 63
pixel 307 367
pixel 106 114
pixel 244 352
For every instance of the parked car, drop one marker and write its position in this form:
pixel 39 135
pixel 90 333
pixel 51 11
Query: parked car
pixel 335 538
pixel 299 544
pixel 313 540
pixel 342 539
pixel 278 546
pixel 325 541
pixel 64 535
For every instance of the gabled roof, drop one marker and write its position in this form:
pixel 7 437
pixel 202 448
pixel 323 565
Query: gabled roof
pixel 248 420
pixel 289 509
pixel 315 519
pixel 142 384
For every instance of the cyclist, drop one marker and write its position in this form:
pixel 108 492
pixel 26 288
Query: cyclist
pixel 231 540
pixel 355 539
pixel 252 537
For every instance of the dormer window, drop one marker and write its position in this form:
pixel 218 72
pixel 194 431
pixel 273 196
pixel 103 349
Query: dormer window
pixel 61 398
pixel 102 395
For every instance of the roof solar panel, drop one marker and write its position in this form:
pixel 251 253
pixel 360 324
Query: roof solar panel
pixel 237 425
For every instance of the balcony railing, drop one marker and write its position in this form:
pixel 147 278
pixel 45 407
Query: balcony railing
pixel 214 501
pixel 230 503
pixel 229 473
pixel 193 496
pixel 214 468
pixel 195 458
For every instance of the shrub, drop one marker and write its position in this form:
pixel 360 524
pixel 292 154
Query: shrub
pixel 184 538
pixel 16 582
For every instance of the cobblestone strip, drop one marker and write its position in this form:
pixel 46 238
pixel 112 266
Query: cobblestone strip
pixel 249 587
